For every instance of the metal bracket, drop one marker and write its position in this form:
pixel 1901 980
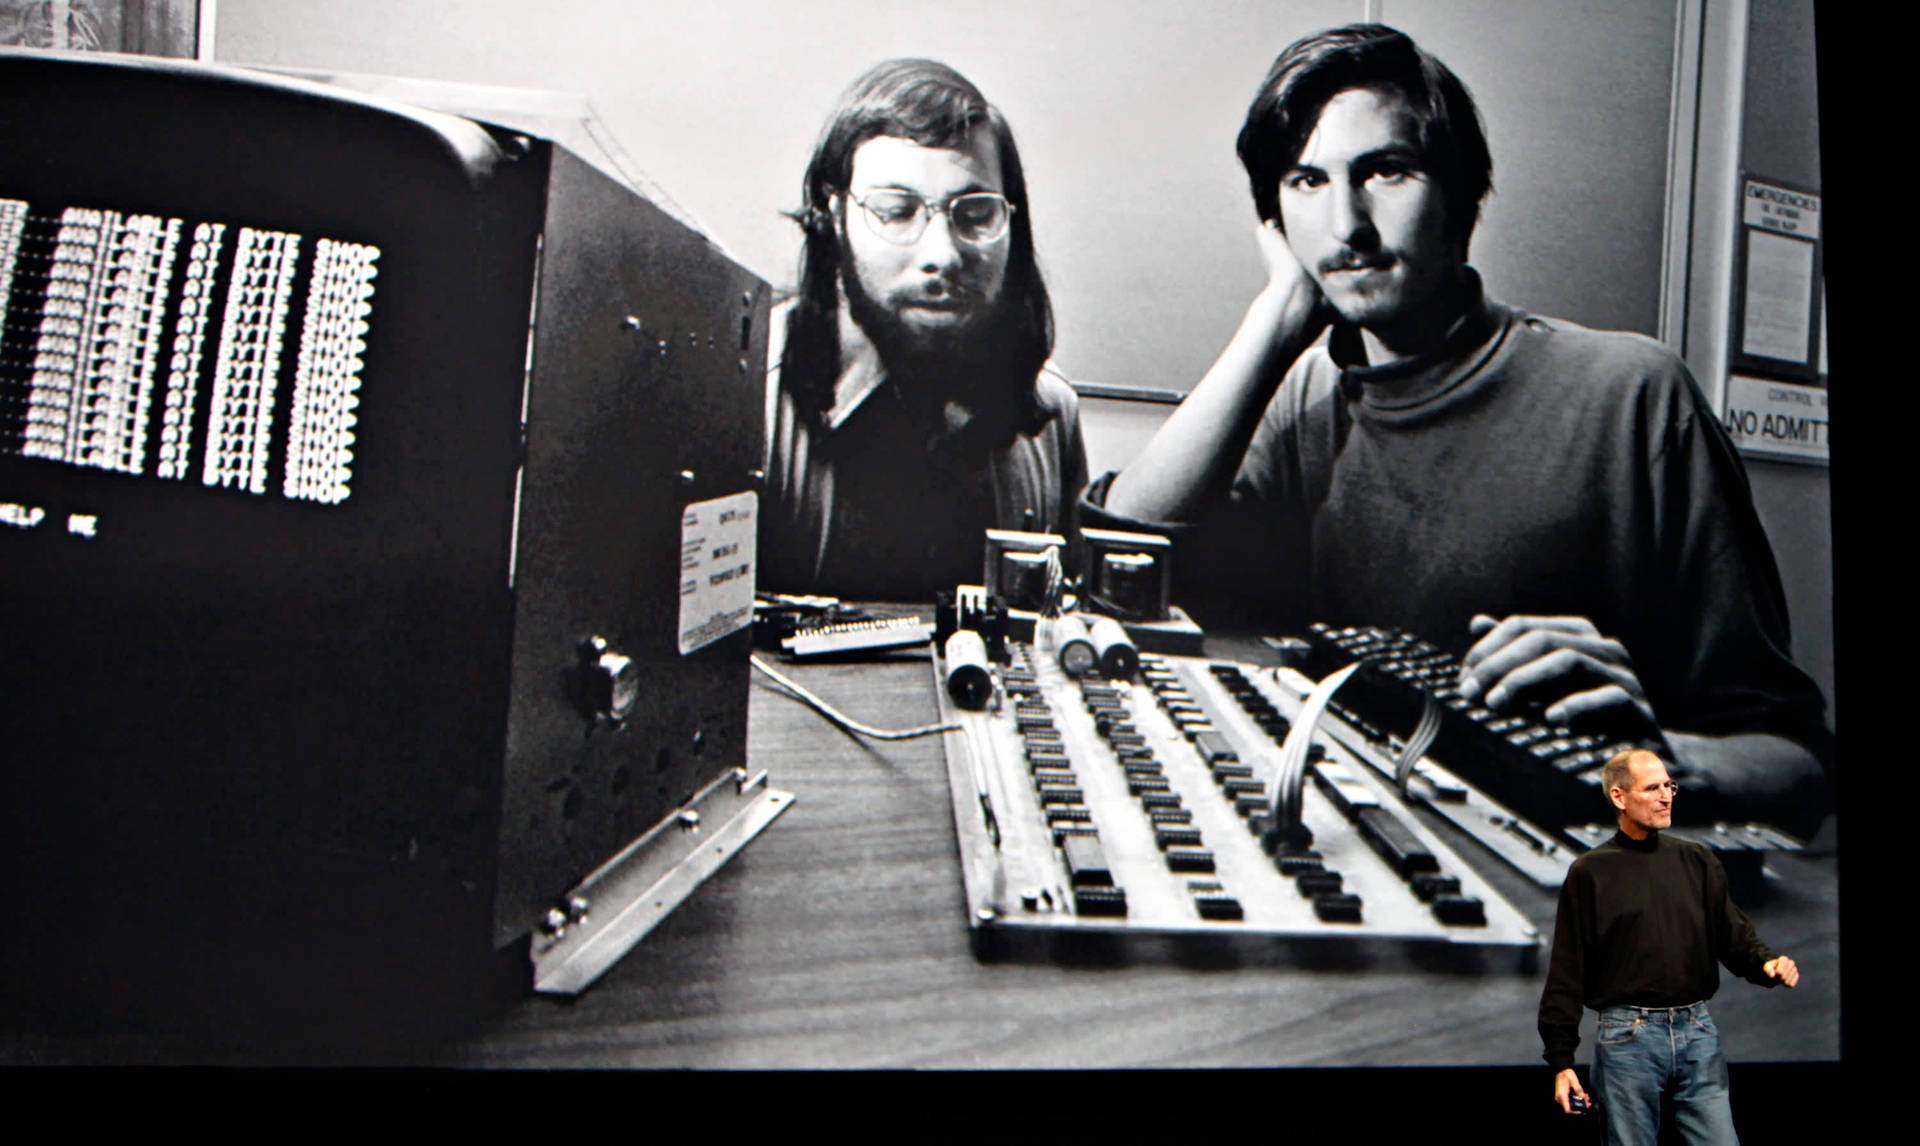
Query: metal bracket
pixel 615 907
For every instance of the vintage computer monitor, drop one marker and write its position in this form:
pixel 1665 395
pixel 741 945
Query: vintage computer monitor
pixel 377 492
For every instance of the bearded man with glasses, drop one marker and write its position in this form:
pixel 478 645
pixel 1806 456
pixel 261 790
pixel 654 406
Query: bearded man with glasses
pixel 910 404
pixel 1643 921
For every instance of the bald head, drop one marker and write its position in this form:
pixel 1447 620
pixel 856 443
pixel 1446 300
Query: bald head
pixel 1638 786
pixel 1618 769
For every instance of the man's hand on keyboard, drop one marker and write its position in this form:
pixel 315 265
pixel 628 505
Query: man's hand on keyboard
pixel 1563 664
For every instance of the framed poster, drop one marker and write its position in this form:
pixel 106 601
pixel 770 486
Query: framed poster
pixel 141 27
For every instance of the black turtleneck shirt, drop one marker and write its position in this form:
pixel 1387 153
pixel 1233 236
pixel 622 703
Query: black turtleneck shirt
pixel 1526 465
pixel 1642 923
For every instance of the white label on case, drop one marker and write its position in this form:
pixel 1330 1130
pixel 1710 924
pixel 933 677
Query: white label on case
pixel 716 568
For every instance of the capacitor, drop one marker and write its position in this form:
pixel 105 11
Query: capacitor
pixel 1119 660
pixel 1072 646
pixel 969 682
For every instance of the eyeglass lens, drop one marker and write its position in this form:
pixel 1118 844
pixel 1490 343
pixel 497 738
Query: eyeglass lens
pixel 980 217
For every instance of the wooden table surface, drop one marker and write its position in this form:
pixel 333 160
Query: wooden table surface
pixel 839 938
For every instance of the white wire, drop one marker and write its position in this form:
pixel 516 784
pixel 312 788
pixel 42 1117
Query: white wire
pixel 1418 741
pixel 1056 584
pixel 841 719
pixel 1284 789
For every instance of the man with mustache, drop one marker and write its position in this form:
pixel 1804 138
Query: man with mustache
pixel 910 406
pixel 1643 921
pixel 1556 505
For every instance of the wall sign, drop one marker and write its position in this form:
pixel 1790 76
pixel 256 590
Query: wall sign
pixel 1777 387
pixel 1783 420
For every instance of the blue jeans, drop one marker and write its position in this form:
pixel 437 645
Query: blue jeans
pixel 1643 1052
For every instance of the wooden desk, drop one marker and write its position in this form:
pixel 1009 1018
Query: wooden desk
pixel 839 939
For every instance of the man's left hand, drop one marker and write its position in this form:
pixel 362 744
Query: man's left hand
pixel 1783 969
pixel 1566 659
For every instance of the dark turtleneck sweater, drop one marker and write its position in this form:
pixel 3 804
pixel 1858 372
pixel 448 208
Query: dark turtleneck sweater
pixel 1642 923
pixel 1526 465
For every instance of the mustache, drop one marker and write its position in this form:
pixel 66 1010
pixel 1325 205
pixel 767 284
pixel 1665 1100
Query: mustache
pixel 1354 261
pixel 946 290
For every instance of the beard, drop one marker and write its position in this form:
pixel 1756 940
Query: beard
pixel 969 377
pixel 942 359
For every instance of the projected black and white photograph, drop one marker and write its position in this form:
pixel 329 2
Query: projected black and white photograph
pixel 908 535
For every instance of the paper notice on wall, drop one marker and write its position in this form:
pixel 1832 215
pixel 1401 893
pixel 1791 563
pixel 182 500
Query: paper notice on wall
pixel 1781 419
pixel 1779 303
pixel 716 568
pixel 1781 209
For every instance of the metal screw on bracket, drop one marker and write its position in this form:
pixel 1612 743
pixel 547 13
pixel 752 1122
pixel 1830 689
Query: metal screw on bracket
pixel 555 923
pixel 689 819
pixel 686 477
pixel 577 908
pixel 631 322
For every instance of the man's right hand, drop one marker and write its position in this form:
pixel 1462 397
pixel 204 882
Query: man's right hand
pixel 1566 662
pixel 1303 312
pixel 1566 1084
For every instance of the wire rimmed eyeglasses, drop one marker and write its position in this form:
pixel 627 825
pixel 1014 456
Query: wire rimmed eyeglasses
pixel 901 217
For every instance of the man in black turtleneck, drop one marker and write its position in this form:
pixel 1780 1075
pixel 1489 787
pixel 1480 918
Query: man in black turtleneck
pixel 1644 921
pixel 1558 506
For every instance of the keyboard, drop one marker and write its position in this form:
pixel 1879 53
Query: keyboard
pixel 1547 772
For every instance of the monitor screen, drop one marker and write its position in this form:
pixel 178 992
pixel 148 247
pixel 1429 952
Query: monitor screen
pixel 156 345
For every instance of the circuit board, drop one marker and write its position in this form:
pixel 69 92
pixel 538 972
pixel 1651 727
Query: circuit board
pixel 1142 807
